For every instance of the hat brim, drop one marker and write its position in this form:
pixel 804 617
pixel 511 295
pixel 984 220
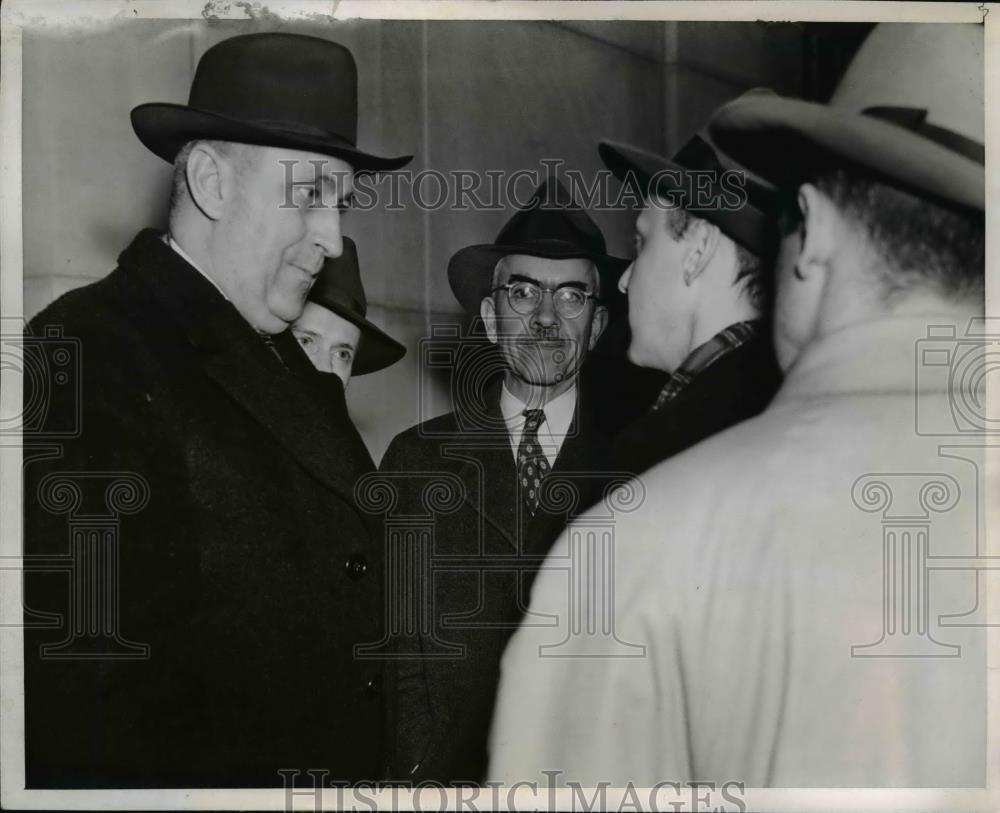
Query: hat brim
pixel 164 128
pixel 782 139
pixel 376 349
pixel 470 270
pixel 746 224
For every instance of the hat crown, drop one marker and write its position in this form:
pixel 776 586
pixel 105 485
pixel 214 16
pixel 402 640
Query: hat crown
pixel 928 67
pixel 291 81
pixel 338 284
pixel 700 154
pixel 552 217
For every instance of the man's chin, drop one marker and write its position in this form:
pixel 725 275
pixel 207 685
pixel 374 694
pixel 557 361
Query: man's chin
pixel 287 311
pixel 548 378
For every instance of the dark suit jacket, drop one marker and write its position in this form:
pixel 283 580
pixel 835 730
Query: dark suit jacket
pixel 251 574
pixel 446 698
pixel 735 387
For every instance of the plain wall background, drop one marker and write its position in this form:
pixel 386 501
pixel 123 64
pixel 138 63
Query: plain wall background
pixel 458 95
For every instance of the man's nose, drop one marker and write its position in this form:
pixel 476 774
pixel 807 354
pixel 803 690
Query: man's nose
pixel 623 280
pixel 545 314
pixel 320 357
pixel 324 364
pixel 326 231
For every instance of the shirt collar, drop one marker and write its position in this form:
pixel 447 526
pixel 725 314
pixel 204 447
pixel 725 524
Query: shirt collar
pixel 706 354
pixel 888 354
pixel 558 412
pixel 187 257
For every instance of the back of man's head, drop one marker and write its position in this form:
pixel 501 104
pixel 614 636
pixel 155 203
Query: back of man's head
pixel 856 248
pixel 919 246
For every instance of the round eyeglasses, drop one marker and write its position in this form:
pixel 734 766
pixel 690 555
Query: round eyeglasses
pixel 526 297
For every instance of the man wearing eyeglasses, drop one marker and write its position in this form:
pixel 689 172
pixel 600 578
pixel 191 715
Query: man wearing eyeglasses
pixel 524 454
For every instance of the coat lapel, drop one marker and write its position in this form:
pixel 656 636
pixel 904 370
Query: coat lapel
pixel 488 469
pixel 490 473
pixel 319 435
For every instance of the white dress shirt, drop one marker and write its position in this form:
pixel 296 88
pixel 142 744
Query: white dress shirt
pixel 551 434
pixel 173 244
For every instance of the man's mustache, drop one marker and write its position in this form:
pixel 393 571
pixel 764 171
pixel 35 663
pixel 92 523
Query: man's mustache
pixel 546 334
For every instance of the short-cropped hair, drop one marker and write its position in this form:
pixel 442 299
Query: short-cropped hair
pixel 179 191
pixel 921 242
pixel 750 270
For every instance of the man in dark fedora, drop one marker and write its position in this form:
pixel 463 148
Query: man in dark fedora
pixel 334 329
pixel 806 617
pixel 698 291
pixel 241 576
pixel 538 289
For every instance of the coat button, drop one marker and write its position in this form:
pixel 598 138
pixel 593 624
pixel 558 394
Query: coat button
pixel 373 687
pixel 356 566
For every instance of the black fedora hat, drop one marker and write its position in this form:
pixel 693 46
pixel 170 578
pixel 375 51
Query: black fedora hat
pixel 750 222
pixel 275 90
pixel 551 226
pixel 338 288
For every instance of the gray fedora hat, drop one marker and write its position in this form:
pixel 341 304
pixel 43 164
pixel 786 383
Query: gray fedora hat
pixel 909 109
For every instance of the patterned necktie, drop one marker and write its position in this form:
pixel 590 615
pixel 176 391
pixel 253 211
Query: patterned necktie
pixel 532 465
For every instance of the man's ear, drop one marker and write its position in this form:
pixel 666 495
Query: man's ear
pixel 819 232
pixel 209 179
pixel 488 312
pixel 703 240
pixel 598 322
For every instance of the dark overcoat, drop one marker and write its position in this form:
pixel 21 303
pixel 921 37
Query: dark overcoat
pixel 246 573
pixel 485 553
pixel 737 386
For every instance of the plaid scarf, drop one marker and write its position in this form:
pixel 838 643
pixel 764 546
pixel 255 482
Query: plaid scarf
pixel 705 355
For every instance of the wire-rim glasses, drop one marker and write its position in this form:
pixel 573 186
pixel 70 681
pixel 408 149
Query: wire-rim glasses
pixel 526 297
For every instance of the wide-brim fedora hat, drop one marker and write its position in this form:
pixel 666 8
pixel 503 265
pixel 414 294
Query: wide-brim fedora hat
pixel 743 207
pixel 552 226
pixel 338 288
pixel 909 110
pixel 272 89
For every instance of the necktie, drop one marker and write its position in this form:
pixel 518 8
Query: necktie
pixel 532 465
pixel 270 343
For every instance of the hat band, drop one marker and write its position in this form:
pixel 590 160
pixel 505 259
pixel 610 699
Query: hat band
pixel 914 119
pixel 698 154
pixel 560 225
pixel 295 128
pixel 341 299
